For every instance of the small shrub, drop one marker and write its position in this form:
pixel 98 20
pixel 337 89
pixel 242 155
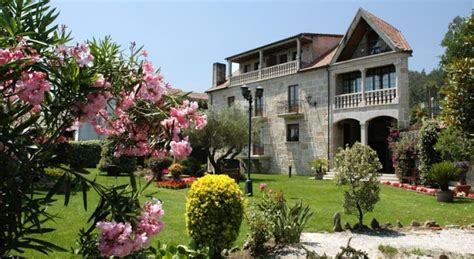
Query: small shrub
pixel 192 167
pixel 158 164
pixel 358 167
pixel 214 211
pixel 259 231
pixel 349 252
pixel 176 170
pixel 287 223
pixel 115 165
pixel 388 250
pixel 442 173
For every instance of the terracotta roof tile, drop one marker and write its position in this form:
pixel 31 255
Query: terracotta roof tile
pixel 321 61
pixel 392 33
pixel 191 95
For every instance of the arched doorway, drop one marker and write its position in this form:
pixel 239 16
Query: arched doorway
pixel 346 132
pixel 378 131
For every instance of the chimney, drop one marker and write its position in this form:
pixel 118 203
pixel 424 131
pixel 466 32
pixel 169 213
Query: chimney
pixel 218 74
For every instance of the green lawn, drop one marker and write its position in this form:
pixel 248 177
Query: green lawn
pixel 323 196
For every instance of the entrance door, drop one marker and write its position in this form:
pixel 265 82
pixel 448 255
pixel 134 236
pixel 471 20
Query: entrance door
pixel 379 128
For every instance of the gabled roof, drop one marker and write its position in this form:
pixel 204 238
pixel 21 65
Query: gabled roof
pixel 391 35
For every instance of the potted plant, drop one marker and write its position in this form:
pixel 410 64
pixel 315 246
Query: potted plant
pixel 319 166
pixel 442 173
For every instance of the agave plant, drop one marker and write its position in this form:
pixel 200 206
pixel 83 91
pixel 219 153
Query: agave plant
pixel 290 222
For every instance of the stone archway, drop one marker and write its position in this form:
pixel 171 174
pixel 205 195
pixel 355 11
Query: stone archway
pixel 377 139
pixel 346 133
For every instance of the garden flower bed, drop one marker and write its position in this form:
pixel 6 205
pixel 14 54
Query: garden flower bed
pixel 419 188
pixel 176 184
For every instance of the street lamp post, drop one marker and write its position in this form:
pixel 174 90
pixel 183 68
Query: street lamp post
pixel 247 94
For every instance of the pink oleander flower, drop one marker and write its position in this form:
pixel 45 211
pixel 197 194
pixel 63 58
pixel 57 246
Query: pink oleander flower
pixel 262 186
pixel 32 86
pixel 180 149
pixel 144 53
pixel 82 55
pixel 120 239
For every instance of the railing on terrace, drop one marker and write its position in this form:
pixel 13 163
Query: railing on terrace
pixel 265 73
pixel 369 98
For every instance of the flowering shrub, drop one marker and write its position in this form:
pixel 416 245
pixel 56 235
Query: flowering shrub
pixel 214 211
pixel 47 88
pixel 404 154
pixel 176 184
pixel 428 136
pixel 120 239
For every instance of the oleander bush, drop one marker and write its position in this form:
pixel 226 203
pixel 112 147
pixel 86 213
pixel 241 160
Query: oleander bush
pixel 84 154
pixel 214 212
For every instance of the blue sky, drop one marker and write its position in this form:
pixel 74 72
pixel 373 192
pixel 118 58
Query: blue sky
pixel 184 38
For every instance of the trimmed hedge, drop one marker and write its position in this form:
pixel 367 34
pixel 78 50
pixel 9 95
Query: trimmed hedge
pixel 84 154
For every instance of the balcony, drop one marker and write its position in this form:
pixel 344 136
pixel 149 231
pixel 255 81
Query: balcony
pixel 367 98
pixel 292 110
pixel 265 73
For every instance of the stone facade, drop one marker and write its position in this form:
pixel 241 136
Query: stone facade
pixel 336 107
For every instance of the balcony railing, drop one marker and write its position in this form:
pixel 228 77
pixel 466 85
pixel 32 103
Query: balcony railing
pixel 265 73
pixel 369 98
pixel 286 107
pixel 258 150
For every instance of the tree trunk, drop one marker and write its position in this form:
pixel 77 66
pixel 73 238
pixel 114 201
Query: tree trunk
pixel 361 217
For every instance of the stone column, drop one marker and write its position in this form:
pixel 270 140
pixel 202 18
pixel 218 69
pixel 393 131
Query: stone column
pixel 260 61
pixel 364 133
pixel 298 53
pixel 362 85
pixel 230 68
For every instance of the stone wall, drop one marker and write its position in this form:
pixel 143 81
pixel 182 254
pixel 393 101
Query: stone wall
pixel 312 124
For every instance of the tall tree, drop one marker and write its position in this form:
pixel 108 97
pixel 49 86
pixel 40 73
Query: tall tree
pixel 224 136
pixel 458 61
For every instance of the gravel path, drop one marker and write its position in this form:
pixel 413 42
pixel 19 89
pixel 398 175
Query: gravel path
pixel 451 242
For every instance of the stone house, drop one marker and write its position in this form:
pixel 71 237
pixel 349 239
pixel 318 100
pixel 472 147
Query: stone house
pixel 321 92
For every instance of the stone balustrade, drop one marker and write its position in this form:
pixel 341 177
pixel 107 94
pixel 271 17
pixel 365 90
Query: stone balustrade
pixel 367 98
pixel 265 73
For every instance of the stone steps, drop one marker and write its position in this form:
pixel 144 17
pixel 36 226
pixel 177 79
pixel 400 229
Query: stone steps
pixel 384 177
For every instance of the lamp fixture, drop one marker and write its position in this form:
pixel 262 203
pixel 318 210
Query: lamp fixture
pixel 309 100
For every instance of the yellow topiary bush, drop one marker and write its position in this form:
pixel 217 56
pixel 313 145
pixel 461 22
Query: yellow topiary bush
pixel 214 211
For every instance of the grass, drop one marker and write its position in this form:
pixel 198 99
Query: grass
pixel 324 199
pixel 388 250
